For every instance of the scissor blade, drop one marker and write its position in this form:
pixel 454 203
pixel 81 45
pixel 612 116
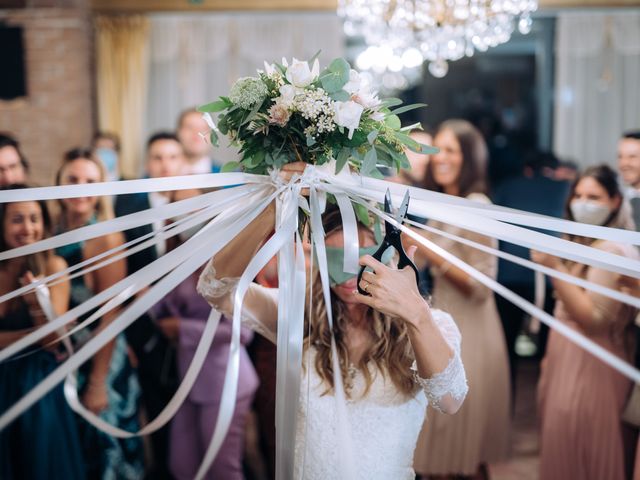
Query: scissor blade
pixel 404 206
pixel 387 202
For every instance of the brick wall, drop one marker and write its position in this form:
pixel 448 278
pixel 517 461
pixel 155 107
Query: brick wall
pixel 57 113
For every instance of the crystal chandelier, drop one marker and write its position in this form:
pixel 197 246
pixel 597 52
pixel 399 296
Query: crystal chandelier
pixel 401 34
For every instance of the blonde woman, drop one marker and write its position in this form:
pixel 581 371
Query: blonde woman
pixel 108 384
pixel 395 352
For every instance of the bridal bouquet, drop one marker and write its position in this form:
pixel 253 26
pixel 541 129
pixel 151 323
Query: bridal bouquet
pixel 295 112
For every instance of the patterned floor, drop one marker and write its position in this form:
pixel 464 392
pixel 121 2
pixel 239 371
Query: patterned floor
pixel 524 460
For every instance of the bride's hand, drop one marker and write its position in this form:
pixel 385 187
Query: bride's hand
pixel 290 169
pixel 391 291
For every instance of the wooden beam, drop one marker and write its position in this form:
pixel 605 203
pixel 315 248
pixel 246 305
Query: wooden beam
pixel 126 6
pixel 587 3
pixel 130 6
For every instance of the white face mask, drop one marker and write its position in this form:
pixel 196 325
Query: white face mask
pixel 585 211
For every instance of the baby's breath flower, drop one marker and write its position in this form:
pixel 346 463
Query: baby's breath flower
pixel 247 91
pixel 315 105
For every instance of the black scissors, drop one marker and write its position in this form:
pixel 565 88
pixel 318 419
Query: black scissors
pixel 392 239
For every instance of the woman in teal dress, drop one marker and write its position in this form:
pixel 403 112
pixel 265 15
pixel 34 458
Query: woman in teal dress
pixel 108 384
pixel 43 442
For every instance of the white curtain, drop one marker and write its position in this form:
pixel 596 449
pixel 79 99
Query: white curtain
pixel 597 84
pixel 196 58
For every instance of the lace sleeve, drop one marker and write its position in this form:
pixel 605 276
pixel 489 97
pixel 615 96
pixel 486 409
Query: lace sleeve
pixel 260 307
pixel 446 390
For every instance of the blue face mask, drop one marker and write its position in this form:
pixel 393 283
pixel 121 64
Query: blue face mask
pixel 335 262
pixel 109 159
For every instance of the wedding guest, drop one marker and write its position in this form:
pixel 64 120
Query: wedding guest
pixel 106 146
pixel 43 442
pixel 198 150
pixel 629 167
pixel 376 348
pixel 182 316
pixel 479 434
pixel 535 191
pixel 108 385
pixel 157 368
pixel 580 398
pixel 14 167
pixel 414 175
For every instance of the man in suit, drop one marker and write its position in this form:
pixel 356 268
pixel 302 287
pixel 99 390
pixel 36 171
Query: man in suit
pixel 156 355
pixel 190 128
pixel 629 167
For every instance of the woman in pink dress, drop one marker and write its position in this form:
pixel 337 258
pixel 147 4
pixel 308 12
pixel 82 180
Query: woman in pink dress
pixel 580 398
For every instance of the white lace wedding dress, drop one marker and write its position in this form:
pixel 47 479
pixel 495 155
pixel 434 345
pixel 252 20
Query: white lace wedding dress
pixel 384 424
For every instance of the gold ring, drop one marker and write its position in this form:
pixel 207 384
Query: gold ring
pixel 366 286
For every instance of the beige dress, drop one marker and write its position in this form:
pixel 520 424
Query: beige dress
pixel 580 398
pixel 479 432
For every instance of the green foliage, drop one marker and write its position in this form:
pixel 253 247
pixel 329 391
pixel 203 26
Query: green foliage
pixel 252 118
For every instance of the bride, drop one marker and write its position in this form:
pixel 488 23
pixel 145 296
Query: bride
pixel 396 354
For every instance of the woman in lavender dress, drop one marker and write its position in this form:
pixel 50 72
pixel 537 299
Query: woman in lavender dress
pixel 182 316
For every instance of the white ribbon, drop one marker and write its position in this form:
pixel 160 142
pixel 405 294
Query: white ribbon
pixel 200 249
pixel 572 335
pixel 172 268
pixel 344 448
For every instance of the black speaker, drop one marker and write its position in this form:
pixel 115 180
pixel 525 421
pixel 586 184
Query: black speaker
pixel 13 81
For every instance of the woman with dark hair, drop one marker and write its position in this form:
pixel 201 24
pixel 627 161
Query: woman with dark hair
pixel 395 353
pixel 580 398
pixel 43 442
pixel 479 433
pixel 107 384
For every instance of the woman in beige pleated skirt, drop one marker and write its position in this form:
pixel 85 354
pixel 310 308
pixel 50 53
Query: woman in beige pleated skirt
pixel 463 444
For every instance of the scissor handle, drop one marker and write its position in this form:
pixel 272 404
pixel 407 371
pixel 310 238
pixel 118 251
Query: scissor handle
pixel 378 256
pixel 403 261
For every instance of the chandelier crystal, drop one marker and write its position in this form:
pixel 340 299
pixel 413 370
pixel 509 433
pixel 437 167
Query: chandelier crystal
pixel 401 34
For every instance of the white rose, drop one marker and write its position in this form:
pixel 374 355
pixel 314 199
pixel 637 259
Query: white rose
pixel 366 99
pixel 299 74
pixel 287 94
pixel 348 115
pixel 354 84
pixel 269 68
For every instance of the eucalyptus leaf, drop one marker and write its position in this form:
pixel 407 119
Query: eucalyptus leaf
pixel 230 167
pixel 342 159
pixel 335 76
pixel 310 141
pixel 383 156
pixel 428 149
pixel 223 124
pixel 362 213
pixel 390 102
pixel 373 134
pixel 409 142
pixel 393 122
pixel 252 113
pixel 213 138
pixel 370 161
pixel 313 59
pixel 340 96
pixel 216 106
pixel 408 108
pixel 376 173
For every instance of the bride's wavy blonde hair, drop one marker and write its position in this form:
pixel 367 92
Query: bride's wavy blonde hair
pixel 390 351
